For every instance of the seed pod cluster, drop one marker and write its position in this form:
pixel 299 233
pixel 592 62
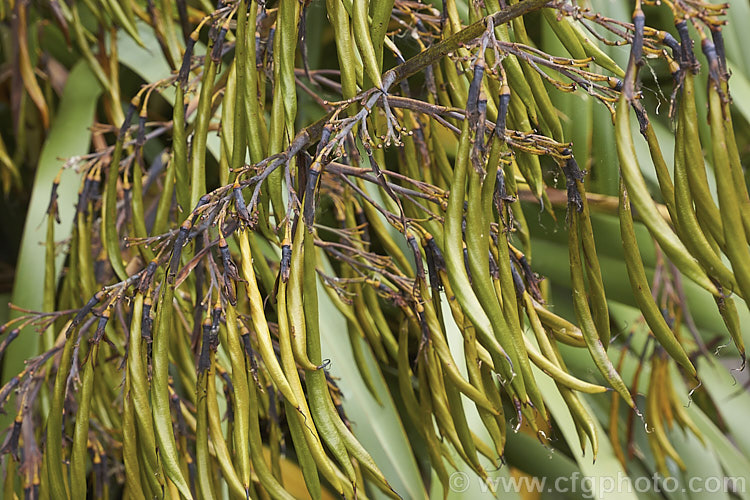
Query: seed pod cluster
pixel 216 281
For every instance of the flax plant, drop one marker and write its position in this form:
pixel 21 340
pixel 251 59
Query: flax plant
pixel 319 212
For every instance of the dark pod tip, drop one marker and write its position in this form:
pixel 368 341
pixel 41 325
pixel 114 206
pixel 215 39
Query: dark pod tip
pixel 285 262
pixel 718 38
pixel 573 175
pixel 310 192
pixel 141 137
pixel 639 22
pixel 412 241
pixel 182 76
pixel 714 65
pixel 126 123
pixel 218 45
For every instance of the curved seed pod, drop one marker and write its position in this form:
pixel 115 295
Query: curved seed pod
pixel 641 289
pixel 543 101
pixel 382 234
pixel 495 424
pixel 376 312
pixel 688 141
pixel 240 118
pixel 197 165
pixel 614 416
pixel 295 286
pixel 79 451
pixel 493 394
pixel 686 221
pixel 304 456
pixel 260 264
pixel 654 412
pixel 419 410
pixel 734 159
pixel 736 241
pixel 365 46
pixel 367 324
pixel 139 392
pixel 133 472
pixel 160 407
pixel 523 85
pixel 136 196
pixel 164 206
pixel 432 389
pixel 450 370
pixel 303 413
pixel 477 228
pixel 597 296
pixel 584 420
pixel 85 266
pixel 560 376
pixel 202 459
pixel 54 449
pixel 179 154
pixel 255 123
pixel 259 322
pixel 321 407
pixel 240 383
pixel 356 336
pixel 123 15
pixel 454 407
pixel 528 164
pixel 223 457
pixel 381 15
pixel 681 415
pixel 327 412
pixel 593 51
pixel 657 158
pixel 728 311
pixel 563 330
pixel 459 279
pixel 266 479
pixel 580 304
pixel 354 329
pixel 284 107
pixel 642 201
pixel 565 33
pixel 109 206
pixel 405 376
pixel 493 420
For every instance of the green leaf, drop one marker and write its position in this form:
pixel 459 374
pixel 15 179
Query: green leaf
pixel 734 463
pixel 69 136
pixel 739 88
pixel 730 398
pixel 465 483
pixel 606 469
pixel 702 468
pixel 377 427
pixel 736 35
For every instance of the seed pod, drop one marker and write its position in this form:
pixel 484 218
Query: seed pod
pixel 642 290
pixel 642 201
pixel 583 313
